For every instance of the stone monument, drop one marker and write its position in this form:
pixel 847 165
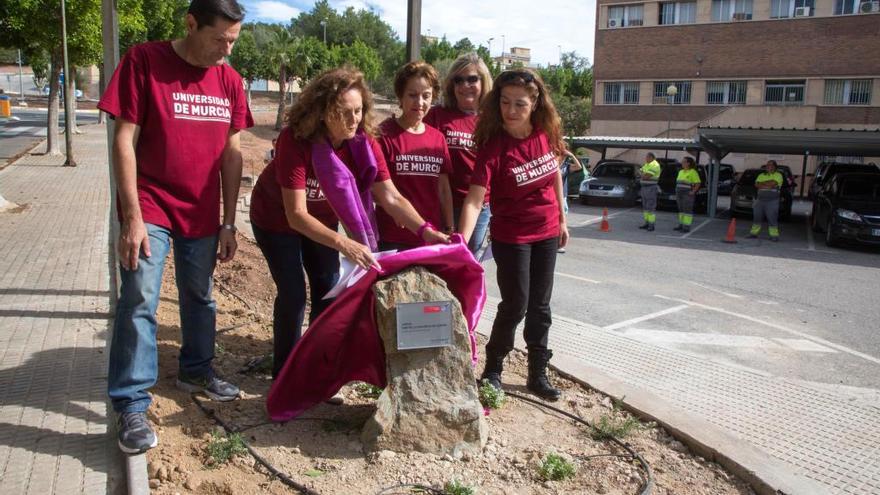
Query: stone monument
pixel 431 403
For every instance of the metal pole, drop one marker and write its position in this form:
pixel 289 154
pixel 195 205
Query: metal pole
pixel 110 33
pixel 68 106
pixel 413 30
pixel 713 185
pixel 20 83
pixel 804 172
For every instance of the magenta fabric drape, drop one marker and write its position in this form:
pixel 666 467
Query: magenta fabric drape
pixel 343 344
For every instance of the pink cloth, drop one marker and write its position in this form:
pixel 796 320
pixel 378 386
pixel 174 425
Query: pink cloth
pixel 343 344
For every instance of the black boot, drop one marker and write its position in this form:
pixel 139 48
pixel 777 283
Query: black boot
pixel 645 226
pixel 493 369
pixel 650 227
pixel 538 382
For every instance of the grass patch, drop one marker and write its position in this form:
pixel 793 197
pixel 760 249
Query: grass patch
pixel 456 487
pixel 368 391
pixel 610 426
pixel 313 473
pixel 491 397
pixel 222 448
pixel 554 467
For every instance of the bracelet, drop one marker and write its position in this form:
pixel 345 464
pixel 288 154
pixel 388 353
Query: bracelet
pixel 426 225
pixel 228 226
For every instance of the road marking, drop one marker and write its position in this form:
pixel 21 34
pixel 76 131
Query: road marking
pixel 582 279
pixel 817 340
pixel 698 227
pixel 15 131
pixel 810 243
pixel 645 318
pixel 735 296
pixel 599 218
pixel 722 340
pixel 678 237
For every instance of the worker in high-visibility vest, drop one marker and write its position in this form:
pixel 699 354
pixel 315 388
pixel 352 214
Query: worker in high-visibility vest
pixel 686 186
pixel 649 175
pixel 766 204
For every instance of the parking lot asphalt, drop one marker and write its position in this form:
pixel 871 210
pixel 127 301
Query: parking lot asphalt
pixel 795 309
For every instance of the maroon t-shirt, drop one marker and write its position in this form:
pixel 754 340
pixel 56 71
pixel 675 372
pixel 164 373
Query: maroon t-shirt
pixel 458 129
pixel 292 168
pixel 185 114
pixel 522 173
pixel 415 162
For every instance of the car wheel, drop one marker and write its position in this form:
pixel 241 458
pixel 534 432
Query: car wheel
pixel 831 240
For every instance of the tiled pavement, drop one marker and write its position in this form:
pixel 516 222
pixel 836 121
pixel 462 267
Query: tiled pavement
pixel 54 316
pixel 804 440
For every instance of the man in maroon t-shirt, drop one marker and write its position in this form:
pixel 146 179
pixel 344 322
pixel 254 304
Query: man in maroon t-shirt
pixel 178 108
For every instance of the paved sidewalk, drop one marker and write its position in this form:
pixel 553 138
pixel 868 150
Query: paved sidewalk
pixel 773 433
pixel 54 317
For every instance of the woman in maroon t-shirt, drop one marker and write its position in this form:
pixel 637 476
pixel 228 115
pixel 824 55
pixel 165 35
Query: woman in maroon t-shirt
pixel 417 157
pixel 519 137
pixel 465 86
pixel 292 219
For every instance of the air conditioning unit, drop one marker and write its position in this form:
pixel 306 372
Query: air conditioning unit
pixel 741 16
pixel 868 7
pixel 802 12
pixel 615 22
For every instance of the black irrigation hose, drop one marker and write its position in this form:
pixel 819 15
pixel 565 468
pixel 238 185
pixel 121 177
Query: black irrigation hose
pixel 649 475
pixel 287 480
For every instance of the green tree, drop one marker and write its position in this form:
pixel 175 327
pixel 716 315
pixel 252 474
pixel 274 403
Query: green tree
pixel 248 59
pixel 574 112
pixel 360 56
pixel 441 50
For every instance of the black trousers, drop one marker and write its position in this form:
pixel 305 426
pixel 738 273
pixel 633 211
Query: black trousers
pixel 525 278
pixel 287 255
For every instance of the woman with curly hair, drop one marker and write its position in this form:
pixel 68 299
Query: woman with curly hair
pixel 417 157
pixel 464 89
pixel 327 170
pixel 519 138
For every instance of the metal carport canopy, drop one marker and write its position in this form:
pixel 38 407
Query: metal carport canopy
pixel 845 142
pixel 602 143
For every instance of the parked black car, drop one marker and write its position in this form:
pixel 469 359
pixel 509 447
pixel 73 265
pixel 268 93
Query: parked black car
pixel 848 208
pixel 826 170
pixel 611 181
pixel 744 193
pixel 666 192
pixel 726 179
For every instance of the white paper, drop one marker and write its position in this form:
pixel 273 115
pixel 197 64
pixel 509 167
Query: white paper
pixel 350 273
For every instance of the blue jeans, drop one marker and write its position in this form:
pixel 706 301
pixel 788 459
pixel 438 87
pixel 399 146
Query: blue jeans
pixel 134 365
pixel 481 228
pixel 287 255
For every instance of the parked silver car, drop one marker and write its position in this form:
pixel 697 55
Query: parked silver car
pixel 611 182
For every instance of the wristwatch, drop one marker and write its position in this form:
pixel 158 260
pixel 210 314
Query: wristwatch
pixel 229 226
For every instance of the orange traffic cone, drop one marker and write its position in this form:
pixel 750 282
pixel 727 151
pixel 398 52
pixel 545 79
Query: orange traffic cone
pixel 730 238
pixel 605 226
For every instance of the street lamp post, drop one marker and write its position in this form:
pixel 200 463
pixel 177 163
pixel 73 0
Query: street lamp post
pixel 489 43
pixel 560 55
pixel 68 98
pixel 671 91
pixel 324 26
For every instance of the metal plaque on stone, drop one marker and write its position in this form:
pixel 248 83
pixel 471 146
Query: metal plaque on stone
pixel 423 325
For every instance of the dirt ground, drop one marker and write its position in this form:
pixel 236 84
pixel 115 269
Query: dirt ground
pixel 321 449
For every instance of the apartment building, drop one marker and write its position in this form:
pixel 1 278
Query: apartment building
pixel 662 68
pixel 517 55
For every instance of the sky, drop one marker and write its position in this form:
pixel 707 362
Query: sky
pixel 544 26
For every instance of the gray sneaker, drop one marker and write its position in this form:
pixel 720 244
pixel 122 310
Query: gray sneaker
pixel 135 436
pixel 213 387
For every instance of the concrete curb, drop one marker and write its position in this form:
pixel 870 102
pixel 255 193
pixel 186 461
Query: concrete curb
pixel 766 475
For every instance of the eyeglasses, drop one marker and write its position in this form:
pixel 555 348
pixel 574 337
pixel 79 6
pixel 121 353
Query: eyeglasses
pixel 472 79
pixel 510 75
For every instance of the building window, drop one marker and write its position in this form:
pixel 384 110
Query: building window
pixel 848 91
pixel 726 92
pixel 842 7
pixel 731 10
pixel 678 13
pixel 784 92
pixel 625 15
pixel 626 93
pixel 682 97
pixel 783 9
